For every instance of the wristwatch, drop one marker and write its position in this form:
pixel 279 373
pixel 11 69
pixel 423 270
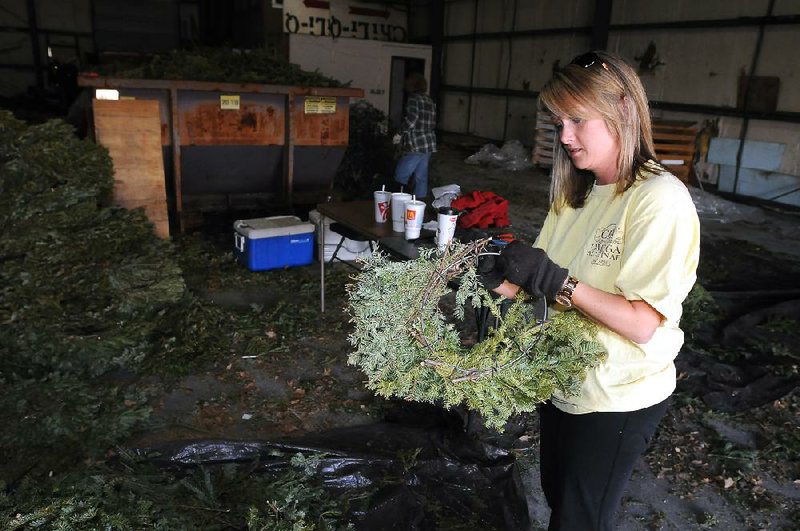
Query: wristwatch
pixel 564 295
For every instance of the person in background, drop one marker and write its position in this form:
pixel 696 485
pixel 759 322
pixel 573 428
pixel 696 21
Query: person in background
pixel 620 244
pixel 417 135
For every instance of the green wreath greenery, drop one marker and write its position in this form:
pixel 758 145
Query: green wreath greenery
pixel 409 349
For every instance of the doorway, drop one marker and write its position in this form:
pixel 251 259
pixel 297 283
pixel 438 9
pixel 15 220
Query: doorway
pixel 401 67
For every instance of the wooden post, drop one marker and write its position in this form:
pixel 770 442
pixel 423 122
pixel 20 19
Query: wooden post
pixel 176 155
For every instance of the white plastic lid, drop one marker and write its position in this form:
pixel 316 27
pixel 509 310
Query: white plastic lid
pixel 273 226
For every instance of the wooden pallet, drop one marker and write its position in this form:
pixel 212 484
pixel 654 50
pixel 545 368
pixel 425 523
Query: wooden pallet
pixel 674 143
pixel 544 140
pixel 675 146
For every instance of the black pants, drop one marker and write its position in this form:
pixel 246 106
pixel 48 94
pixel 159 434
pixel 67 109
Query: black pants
pixel 586 461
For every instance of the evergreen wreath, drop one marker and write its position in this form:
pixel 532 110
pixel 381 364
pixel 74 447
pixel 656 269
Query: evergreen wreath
pixel 408 349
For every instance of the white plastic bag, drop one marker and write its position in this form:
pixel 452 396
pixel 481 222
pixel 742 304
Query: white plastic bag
pixel 513 156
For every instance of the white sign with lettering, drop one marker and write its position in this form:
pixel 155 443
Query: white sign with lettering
pixel 229 102
pixel 344 18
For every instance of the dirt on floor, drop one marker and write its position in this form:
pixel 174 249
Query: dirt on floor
pixel 727 456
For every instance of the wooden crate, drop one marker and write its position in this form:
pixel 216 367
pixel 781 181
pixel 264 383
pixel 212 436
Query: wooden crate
pixel 544 139
pixel 675 146
pixel 674 143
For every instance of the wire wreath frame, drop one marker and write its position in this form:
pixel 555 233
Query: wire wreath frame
pixel 409 349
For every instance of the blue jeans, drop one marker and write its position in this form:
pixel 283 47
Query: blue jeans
pixel 415 164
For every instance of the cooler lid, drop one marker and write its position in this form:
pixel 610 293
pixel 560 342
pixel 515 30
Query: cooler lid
pixel 273 226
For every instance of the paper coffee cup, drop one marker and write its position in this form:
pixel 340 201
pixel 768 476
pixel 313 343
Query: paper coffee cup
pixel 446 218
pixel 399 210
pixel 382 200
pixel 415 211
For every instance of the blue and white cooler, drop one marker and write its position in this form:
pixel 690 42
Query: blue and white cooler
pixel 273 243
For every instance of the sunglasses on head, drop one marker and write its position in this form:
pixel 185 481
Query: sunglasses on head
pixel 585 60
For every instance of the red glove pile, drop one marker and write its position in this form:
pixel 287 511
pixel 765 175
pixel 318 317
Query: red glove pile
pixel 482 210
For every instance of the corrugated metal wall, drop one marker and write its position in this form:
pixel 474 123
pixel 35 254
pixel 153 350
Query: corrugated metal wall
pixel 144 26
pixel 497 54
pixel 28 28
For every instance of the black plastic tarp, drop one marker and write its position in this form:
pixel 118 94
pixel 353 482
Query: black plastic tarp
pixel 405 477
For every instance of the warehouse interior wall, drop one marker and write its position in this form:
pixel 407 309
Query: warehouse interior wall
pixel 694 59
pixel 35 35
pixel 724 65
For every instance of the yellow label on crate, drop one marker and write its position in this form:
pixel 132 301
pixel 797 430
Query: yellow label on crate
pixel 229 102
pixel 320 104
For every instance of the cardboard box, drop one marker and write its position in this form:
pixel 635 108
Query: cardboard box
pixel 272 243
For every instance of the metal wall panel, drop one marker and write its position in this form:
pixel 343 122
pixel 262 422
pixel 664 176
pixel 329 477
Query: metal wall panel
pixel 638 11
pixel 488 115
pixel 546 15
pixel 453 112
pixel 65 15
pixel 142 26
pixel 457 61
pixel 697 62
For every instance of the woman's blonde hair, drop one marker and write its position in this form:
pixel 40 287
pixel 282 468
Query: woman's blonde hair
pixel 599 82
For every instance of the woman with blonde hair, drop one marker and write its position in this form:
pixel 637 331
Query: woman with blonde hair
pixel 620 245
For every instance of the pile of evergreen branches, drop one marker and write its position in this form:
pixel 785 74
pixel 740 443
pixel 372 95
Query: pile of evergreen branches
pixel 135 494
pixel 91 301
pixel 84 286
pixel 369 160
pixel 409 349
pixel 258 65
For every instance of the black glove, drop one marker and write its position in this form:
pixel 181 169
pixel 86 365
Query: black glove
pixel 490 271
pixel 531 269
